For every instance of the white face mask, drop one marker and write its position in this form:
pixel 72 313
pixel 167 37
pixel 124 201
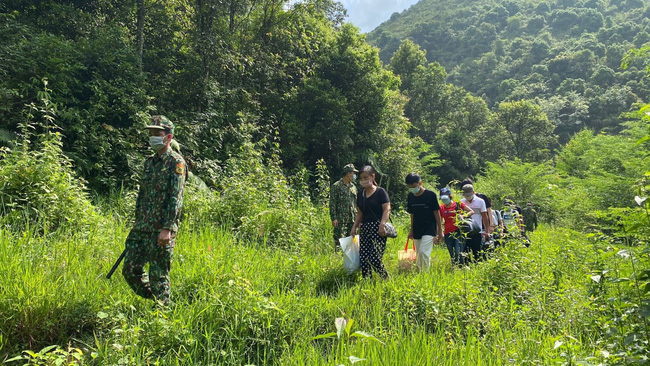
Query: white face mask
pixel 156 142
pixel 354 177
pixel 469 198
pixel 366 183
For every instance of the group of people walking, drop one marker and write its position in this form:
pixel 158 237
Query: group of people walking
pixel 469 227
pixel 160 198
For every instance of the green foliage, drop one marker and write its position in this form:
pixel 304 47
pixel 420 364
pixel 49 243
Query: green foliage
pixel 526 133
pixel 255 199
pixel 591 182
pixel 236 302
pixel 350 110
pixel 51 355
pixel 96 88
pixel 451 122
pixel 521 182
pixel 292 71
pixel 529 51
pixel 405 62
pixel 39 185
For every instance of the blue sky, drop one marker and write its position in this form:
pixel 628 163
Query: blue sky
pixel 368 14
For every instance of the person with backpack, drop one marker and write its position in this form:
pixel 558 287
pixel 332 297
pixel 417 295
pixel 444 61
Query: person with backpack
pixel 511 219
pixel 480 216
pixel 488 205
pixel 450 211
pixel 373 211
pixel 497 234
pixel 426 225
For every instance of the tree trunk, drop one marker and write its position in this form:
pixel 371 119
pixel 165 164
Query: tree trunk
pixel 140 31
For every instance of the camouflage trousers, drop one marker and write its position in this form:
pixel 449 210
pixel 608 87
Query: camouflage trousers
pixel 341 231
pixel 142 248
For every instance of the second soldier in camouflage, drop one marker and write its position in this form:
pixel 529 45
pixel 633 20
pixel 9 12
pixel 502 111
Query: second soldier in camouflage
pixel 343 204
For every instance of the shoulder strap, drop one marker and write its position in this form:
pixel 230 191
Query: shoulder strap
pixel 373 212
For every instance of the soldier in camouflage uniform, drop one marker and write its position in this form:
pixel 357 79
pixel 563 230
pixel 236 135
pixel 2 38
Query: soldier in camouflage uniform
pixel 530 217
pixel 343 204
pixel 157 212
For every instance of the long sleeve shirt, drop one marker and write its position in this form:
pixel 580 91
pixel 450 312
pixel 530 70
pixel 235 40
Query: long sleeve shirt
pixel 343 202
pixel 160 198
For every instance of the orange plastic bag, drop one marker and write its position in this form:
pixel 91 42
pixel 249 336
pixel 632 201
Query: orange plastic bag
pixel 406 259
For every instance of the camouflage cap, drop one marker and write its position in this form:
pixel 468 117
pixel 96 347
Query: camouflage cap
pixel 161 123
pixel 349 168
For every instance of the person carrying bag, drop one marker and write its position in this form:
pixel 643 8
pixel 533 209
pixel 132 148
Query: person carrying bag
pixel 372 240
pixel 426 225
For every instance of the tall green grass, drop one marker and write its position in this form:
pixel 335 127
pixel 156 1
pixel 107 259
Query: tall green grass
pixel 238 302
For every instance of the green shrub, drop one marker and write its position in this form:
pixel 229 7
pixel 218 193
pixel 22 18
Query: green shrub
pixel 256 199
pixel 38 184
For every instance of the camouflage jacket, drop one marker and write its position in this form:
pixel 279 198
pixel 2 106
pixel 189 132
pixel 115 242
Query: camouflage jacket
pixel 530 218
pixel 161 193
pixel 343 202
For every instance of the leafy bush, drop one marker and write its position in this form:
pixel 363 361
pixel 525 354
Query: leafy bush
pixel 254 197
pixel 521 182
pixel 39 185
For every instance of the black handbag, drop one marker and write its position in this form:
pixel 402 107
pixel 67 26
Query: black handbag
pixel 391 231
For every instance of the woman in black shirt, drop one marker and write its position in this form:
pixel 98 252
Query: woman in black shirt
pixel 372 213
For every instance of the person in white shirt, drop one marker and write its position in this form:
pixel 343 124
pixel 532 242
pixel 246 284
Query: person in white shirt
pixel 480 216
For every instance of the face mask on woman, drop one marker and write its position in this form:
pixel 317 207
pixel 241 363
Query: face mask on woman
pixel 366 183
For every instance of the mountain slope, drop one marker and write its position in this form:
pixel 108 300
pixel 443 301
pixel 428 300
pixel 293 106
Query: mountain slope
pixel 564 54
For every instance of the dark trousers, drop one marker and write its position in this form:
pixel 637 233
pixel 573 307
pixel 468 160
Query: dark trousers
pixel 371 250
pixel 456 246
pixel 474 244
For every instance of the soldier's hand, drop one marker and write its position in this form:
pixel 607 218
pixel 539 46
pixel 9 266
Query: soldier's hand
pixel 164 238
pixel 335 223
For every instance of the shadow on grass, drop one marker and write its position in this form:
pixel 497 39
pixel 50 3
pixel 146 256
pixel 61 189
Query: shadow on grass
pixel 332 281
pixel 32 328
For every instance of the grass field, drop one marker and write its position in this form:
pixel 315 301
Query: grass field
pixel 238 303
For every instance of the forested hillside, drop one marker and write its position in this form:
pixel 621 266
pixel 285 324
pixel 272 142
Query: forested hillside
pixel 564 54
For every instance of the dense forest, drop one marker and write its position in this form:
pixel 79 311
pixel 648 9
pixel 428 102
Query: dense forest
pixel 291 78
pixel 307 85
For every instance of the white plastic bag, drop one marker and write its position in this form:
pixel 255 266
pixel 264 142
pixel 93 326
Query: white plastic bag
pixel 351 260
